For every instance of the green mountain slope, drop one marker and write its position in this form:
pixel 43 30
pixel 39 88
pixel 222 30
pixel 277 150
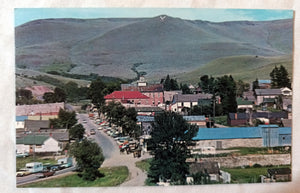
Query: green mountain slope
pixel 246 68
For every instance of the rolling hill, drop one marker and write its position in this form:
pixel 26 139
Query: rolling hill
pixel 111 47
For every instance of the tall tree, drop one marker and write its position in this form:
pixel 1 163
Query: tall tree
pixel 96 92
pixel 226 88
pixel 77 131
pixel 255 85
pixel 167 84
pixel 65 119
pixel 241 87
pixel 89 158
pixel 185 89
pixel 60 95
pixel 280 77
pixel 171 137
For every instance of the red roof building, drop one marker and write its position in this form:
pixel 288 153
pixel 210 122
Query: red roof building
pixel 129 97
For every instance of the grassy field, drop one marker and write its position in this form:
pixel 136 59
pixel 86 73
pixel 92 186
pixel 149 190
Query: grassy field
pixel 246 68
pixel 20 162
pixel 248 175
pixel 144 164
pixel 112 177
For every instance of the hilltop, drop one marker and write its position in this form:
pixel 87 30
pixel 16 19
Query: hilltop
pixel 156 47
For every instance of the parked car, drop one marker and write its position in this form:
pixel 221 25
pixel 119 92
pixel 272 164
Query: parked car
pixel 92 132
pixel 65 162
pixel 54 168
pixel 23 172
pixel 25 154
pixel 45 173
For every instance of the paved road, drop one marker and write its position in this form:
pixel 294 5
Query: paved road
pixel 33 177
pixel 112 154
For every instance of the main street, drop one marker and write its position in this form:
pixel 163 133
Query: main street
pixel 112 154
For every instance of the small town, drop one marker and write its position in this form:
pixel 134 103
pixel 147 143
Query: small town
pixel 219 131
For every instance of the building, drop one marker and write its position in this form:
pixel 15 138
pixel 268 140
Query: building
pixel 210 169
pixel 199 120
pixel 38 144
pixel 36 125
pixel 262 94
pixel 262 136
pixel 244 104
pixel 155 92
pixel 280 174
pixel 264 84
pixel 39 111
pixel 145 123
pixel 128 98
pixel 181 101
pixel 238 119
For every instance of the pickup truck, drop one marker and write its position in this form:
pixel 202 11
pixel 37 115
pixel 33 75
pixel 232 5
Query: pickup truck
pixel 45 173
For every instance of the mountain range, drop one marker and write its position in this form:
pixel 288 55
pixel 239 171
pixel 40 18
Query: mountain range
pixel 154 46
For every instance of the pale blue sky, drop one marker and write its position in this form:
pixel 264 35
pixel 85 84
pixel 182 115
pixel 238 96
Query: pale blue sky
pixel 23 15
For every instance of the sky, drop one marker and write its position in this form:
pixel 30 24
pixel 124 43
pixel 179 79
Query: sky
pixel 24 15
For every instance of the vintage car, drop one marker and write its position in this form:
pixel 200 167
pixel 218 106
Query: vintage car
pixel 23 172
pixel 45 173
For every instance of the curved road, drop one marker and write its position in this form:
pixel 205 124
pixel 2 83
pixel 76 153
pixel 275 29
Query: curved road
pixel 112 154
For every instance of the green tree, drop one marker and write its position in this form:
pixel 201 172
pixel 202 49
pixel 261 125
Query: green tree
pixel 60 95
pixel 167 84
pixel 77 131
pixel 241 87
pixel 89 158
pixel 173 84
pixel 280 77
pixel 171 137
pixel 65 119
pixel 208 84
pixel 185 89
pixel 226 89
pixel 96 92
pixel 255 85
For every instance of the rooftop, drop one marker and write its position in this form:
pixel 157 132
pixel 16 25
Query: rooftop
pixel 49 108
pixel 190 97
pixel 32 140
pixel 263 92
pixel 126 95
pixel 234 133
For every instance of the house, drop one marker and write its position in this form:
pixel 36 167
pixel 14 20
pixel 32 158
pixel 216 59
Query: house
pixel 244 104
pixel 286 91
pixel 181 101
pixel 39 91
pixel 39 111
pixel 36 125
pixel 261 94
pixel 148 111
pixel 128 98
pixel 206 168
pixel 38 144
pixel 264 84
pixel 249 96
pixel 155 92
pixel 20 122
pixel 196 120
pixel 280 174
pixel 223 138
pixel 238 119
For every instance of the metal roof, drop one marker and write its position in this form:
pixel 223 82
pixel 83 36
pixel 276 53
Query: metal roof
pixel 228 133
pixel 194 118
pixel 32 140
pixel 235 133
pixel 264 81
pixel 21 118
pixel 264 92
pixel 145 119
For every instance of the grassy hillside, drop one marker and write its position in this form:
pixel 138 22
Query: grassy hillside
pixel 111 47
pixel 26 77
pixel 246 68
